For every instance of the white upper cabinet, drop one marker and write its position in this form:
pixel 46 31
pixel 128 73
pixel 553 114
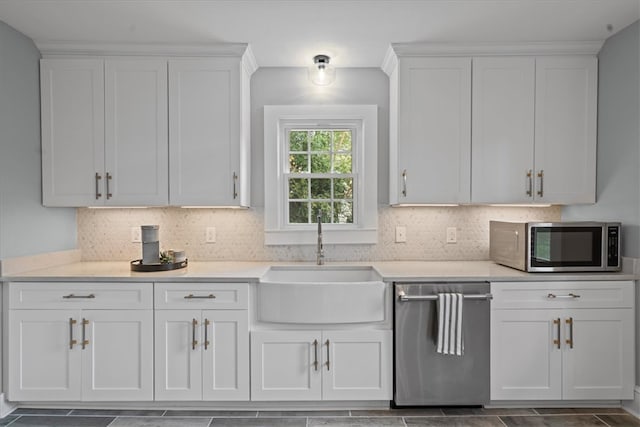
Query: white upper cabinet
pixel 430 141
pixel 209 132
pixel 565 131
pixel 492 124
pixel 72 104
pixel 104 132
pixel 503 123
pixel 136 151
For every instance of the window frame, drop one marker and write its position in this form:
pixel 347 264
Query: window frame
pixel 362 121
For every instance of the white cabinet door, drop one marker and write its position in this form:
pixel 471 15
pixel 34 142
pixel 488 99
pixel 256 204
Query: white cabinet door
pixel 565 129
pixel 283 365
pixel 72 117
pixel 178 359
pixel 502 132
pixel 433 138
pixel 225 355
pixel 116 357
pixel 526 357
pixel 136 139
pixel 599 363
pixel 205 140
pixel 44 362
pixel 356 365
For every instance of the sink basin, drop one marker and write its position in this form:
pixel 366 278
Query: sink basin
pixel 321 295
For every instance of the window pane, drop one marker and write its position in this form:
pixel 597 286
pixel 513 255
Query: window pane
pixel 298 140
pixel 320 163
pixel 298 213
pixel 343 212
pixel 342 140
pixel 321 188
pixel 342 163
pixel 298 163
pixel 323 209
pixel 343 188
pixel 298 188
pixel 320 140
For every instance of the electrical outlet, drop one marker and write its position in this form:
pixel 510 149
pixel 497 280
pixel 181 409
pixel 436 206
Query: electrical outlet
pixel 210 235
pixel 136 235
pixel 401 234
pixel 452 235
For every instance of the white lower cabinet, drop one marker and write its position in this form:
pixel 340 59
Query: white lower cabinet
pixel 91 355
pixel 562 344
pixel 202 355
pixel 321 365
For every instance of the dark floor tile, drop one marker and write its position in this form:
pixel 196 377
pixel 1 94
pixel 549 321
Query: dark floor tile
pixel 356 422
pixel 210 413
pixel 8 420
pixel 259 422
pixel 119 412
pixel 558 411
pixel 487 411
pixel 467 421
pixel 400 412
pixel 284 414
pixel 40 411
pixel 614 420
pixel 58 421
pixel 160 422
pixel 553 421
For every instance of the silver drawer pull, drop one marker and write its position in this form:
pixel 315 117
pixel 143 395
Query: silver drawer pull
pixel 192 296
pixel 571 295
pixel 73 296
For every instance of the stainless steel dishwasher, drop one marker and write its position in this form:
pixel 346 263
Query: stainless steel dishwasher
pixel 423 377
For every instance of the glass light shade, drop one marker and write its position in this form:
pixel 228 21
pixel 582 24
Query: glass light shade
pixel 321 73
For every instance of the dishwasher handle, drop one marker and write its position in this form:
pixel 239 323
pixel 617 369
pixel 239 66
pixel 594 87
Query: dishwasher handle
pixel 403 297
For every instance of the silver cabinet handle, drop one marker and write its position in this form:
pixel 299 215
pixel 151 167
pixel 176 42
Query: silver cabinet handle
pixel 194 342
pixel 192 296
pixel 206 333
pixel 235 182
pixel 556 342
pixel 72 342
pixel 328 352
pixel 73 296
pixel 85 341
pixel 541 188
pixel 570 295
pixel 98 178
pixel 109 178
pixel 315 355
pixel 530 183
pixel 404 183
pixel 569 322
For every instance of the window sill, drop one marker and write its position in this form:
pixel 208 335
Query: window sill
pixel 329 237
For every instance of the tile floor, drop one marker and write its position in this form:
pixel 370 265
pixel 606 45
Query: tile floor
pixel 422 417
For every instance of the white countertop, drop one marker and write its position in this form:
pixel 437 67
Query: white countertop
pixel 225 271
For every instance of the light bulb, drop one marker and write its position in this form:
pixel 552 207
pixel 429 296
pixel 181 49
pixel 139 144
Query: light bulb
pixel 322 73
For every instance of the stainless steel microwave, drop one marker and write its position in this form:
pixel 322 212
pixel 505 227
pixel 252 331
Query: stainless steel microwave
pixel 556 246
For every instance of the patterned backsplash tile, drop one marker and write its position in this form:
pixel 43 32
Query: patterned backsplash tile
pixel 105 234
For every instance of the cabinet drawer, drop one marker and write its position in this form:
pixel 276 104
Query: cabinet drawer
pixel 549 295
pixel 56 295
pixel 202 295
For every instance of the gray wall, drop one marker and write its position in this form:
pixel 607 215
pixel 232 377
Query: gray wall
pixel 26 228
pixel 284 86
pixel 618 164
pixel 618 185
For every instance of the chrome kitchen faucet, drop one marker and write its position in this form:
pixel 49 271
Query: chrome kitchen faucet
pixel 320 249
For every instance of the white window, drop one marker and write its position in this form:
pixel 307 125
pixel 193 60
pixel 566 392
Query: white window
pixel 320 161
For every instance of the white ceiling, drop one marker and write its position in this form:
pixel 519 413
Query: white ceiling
pixel 355 33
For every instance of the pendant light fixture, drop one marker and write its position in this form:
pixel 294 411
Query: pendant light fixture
pixel 321 73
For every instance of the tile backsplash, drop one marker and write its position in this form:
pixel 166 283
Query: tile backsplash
pixel 105 234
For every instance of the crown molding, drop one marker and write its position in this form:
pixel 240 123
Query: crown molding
pixel 65 48
pixel 496 49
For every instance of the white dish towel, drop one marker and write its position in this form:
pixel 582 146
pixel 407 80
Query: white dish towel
pixel 450 324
